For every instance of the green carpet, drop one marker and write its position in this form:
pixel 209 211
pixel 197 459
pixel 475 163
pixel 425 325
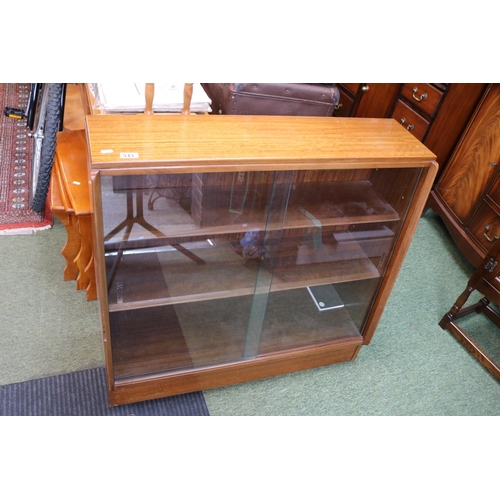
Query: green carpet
pixel 412 367
pixel 48 327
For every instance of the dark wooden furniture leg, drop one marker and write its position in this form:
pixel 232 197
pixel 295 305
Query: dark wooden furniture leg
pixel 485 280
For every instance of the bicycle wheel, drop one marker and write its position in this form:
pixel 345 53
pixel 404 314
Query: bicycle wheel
pixel 44 147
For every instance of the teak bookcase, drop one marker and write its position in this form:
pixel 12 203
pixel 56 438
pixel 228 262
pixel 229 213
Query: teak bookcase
pixel 233 248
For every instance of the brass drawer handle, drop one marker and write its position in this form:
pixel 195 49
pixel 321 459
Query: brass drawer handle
pixel 491 240
pixel 409 127
pixel 365 88
pixel 422 96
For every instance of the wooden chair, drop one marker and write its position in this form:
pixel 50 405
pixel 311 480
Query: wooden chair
pixel 187 97
pixel 486 280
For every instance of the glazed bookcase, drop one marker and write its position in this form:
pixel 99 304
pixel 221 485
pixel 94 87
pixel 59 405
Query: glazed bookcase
pixel 233 248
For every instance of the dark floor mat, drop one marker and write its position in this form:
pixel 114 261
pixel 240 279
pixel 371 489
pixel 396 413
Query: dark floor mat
pixel 84 393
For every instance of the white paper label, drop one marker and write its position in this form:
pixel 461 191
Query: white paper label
pixel 129 155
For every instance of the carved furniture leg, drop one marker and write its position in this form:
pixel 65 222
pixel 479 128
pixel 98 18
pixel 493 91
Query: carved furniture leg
pixel 481 280
pixel 82 282
pixel 72 245
pixel 85 227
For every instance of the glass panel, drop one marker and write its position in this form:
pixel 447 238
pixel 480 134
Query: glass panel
pixel 184 257
pixel 212 268
pixel 339 233
pixel 269 248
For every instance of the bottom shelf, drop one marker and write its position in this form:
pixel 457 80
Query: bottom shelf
pixel 186 337
pixel 148 341
pixel 136 389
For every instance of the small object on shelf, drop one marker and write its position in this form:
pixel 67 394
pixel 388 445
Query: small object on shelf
pixel 325 297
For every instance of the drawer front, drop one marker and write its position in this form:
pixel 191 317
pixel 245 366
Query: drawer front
pixel 423 96
pixel 410 119
pixel 343 108
pixel 485 226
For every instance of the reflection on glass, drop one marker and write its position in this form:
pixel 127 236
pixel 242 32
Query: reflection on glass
pixel 210 268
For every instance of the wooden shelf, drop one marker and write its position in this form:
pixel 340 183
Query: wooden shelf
pixel 168 277
pixel 192 336
pixel 148 341
pixel 347 202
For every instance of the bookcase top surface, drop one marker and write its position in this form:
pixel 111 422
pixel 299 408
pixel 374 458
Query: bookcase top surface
pixel 227 141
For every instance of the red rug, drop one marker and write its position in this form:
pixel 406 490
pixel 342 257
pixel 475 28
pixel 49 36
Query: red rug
pixel 15 163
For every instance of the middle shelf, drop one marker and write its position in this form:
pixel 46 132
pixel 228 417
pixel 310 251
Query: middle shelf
pixel 161 276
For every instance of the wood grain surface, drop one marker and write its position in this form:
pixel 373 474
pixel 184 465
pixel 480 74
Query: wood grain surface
pixel 240 142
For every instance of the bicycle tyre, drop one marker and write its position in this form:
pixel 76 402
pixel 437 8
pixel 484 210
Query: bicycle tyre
pixel 39 113
pixel 50 124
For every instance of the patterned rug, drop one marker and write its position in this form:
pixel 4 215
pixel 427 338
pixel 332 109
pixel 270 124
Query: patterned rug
pixel 15 163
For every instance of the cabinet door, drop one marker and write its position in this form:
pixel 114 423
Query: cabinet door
pixel 339 232
pixel 207 269
pixel 376 99
pixel 470 170
pixel 455 111
pixel 182 258
pixel 366 100
pixel 345 104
